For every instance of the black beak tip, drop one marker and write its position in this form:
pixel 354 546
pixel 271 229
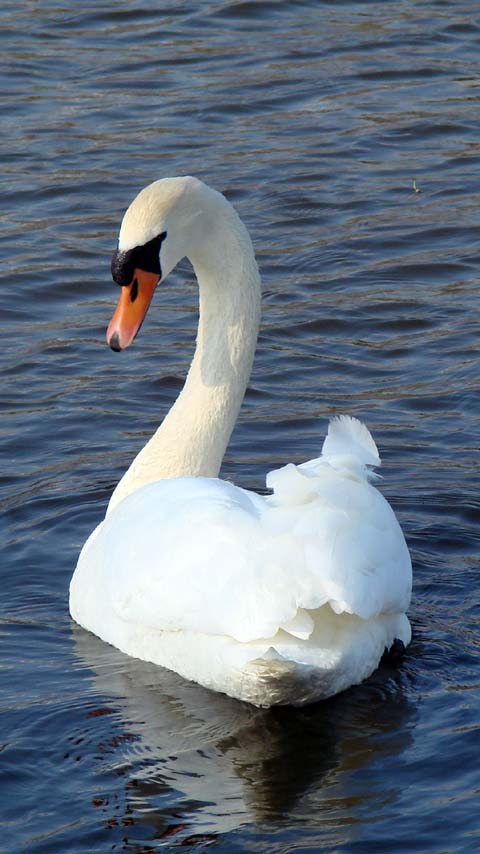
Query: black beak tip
pixel 114 343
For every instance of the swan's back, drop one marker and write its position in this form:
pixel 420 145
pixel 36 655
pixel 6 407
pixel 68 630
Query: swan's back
pixel 208 558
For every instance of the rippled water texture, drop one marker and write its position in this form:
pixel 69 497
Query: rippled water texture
pixel 314 118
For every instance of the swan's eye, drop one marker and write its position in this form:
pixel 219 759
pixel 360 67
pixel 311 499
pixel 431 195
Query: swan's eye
pixel 146 257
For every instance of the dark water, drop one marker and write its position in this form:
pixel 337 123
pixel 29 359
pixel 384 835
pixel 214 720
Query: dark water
pixel 314 118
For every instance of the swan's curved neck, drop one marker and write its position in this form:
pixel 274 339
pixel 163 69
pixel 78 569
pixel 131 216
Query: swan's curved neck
pixel 194 435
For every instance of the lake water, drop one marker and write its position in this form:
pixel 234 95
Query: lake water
pixel 315 119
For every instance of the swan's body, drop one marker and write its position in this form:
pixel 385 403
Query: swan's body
pixel 280 599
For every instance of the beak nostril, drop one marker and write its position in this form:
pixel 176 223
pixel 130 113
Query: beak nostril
pixel 134 290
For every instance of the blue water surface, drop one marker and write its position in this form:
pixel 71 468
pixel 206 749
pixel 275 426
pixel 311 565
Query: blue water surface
pixel 315 119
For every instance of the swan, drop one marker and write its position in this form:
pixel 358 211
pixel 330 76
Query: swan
pixel 286 598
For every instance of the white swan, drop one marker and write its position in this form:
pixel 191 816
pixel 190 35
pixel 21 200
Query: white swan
pixel 281 599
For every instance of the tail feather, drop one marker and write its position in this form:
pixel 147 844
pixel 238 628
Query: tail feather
pixel 347 436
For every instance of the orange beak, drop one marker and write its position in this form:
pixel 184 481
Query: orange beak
pixel 131 309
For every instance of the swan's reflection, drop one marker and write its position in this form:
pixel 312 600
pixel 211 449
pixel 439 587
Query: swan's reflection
pixel 215 763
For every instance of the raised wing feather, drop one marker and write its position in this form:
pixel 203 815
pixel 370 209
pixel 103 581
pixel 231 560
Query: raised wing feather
pixel 348 436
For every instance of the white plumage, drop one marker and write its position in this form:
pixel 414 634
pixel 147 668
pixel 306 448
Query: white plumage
pixel 286 598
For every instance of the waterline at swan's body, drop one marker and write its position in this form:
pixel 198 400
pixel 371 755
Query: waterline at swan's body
pixel 280 599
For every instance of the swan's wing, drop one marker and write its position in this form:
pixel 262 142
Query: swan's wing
pixel 354 549
pixel 354 554
pixel 191 553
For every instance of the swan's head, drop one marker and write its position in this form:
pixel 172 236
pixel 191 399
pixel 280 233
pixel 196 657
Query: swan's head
pixel 155 232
